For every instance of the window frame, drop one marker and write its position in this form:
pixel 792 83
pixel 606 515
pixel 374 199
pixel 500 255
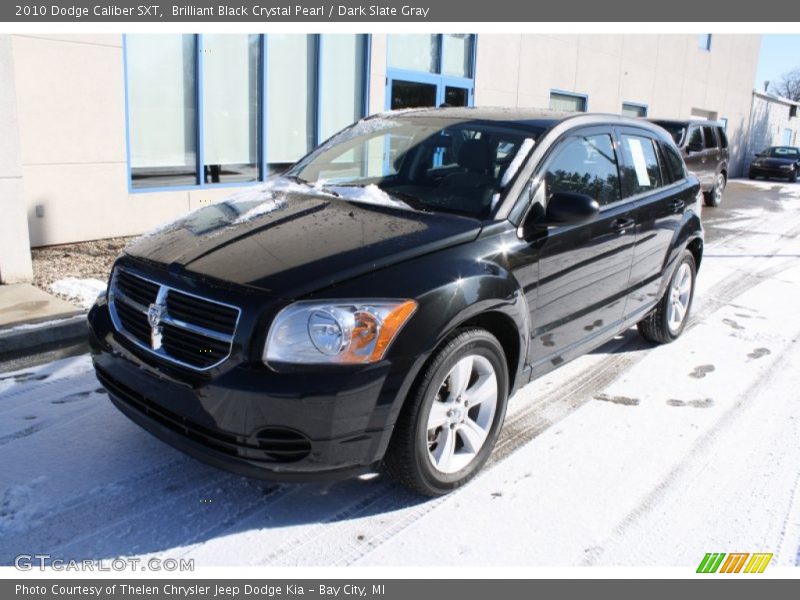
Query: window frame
pixel 581 96
pixel 263 165
pixel 437 79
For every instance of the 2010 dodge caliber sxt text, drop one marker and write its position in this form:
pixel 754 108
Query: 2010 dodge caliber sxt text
pixel 379 302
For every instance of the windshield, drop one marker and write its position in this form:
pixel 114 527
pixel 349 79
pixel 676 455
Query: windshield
pixel 428 163
pixel 782 152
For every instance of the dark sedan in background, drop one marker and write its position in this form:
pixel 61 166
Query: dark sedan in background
pixel 782 162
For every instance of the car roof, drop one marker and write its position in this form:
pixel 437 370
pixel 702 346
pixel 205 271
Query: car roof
pixel 536 119
pixel 685 122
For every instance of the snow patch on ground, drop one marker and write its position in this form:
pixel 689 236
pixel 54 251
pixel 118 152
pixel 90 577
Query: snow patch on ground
pixel 18 509
pixel 81 291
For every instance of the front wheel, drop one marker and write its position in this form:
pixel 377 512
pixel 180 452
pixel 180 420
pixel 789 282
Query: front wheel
pixel 714 196
pixel 793 176
pixel 668 320
pixel 452 418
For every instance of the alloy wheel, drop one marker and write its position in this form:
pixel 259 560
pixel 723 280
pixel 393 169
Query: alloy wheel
pixel 719 188
pixel 462 414
pixel 680 295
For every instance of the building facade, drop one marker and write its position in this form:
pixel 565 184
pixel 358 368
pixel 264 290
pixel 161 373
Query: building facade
pixel 110 135
pixel 774 122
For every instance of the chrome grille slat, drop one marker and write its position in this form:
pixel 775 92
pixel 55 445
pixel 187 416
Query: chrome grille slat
pixel 186 340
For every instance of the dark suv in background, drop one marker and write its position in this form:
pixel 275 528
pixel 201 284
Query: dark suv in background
pixel 704 147
pixel 384 298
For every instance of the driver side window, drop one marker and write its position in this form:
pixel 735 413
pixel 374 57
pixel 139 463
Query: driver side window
pixel 585 165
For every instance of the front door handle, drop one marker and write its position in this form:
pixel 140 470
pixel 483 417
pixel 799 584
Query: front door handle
pixel 621 225
pixel 677 206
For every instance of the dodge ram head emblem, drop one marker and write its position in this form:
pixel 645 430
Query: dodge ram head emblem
pixel 154 314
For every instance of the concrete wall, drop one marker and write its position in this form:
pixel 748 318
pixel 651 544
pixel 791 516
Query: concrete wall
pixel 669 74
pixel 769 120
pixel 15 256
pixel 70 94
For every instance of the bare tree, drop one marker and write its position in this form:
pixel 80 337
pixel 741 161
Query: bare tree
pixel 788 86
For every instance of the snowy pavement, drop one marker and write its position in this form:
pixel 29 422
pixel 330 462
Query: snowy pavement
pixel 631 455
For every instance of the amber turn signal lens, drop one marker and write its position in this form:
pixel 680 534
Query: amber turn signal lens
pixel 391 325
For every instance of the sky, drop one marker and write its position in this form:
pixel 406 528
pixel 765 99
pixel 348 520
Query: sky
pixel 779 54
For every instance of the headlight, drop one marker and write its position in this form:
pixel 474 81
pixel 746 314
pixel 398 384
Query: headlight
pixel 336 332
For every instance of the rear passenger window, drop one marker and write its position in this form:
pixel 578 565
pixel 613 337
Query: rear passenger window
pixel 585 165
pixel 723 139
pixel 711 139
pixel 642 171
pixel 674 162
pixel 695 138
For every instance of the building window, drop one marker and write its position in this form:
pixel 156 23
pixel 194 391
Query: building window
pixel 210 109
pixel 430 70
pixel 704 41
pixel 162 110
pixel 290 97
pixel 230 67
pixel 631 109
pixel 568 102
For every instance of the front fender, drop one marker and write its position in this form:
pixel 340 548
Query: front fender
pixel 453 287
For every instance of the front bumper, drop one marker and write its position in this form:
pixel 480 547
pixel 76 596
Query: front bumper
pixel 249 419
pixel 776 173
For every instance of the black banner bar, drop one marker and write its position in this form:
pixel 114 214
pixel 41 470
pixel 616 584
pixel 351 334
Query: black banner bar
pixel 264 11
pixel 393 589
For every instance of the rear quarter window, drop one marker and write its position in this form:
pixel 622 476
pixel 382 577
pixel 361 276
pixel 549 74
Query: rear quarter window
pixel 674 162
pixel 723 138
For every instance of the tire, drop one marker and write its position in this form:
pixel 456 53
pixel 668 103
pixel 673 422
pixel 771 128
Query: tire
pixel 660 326
pixel 793 176
pixel 419 441
pixel 751 176
pixel 713 197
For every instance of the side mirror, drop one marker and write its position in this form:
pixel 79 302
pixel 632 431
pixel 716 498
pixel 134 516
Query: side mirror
pixel 563 208
pixel 694 147
pixel 757 155
pixel 568 208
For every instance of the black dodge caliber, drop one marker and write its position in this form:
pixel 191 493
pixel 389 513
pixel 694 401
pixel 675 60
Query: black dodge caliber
pixel 380 302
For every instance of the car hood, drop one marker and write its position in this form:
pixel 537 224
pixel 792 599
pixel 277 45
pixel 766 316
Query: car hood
pixel 292 242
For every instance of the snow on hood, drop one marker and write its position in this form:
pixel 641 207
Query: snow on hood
pixel 80 291
pixel 516 163
pixel 370 194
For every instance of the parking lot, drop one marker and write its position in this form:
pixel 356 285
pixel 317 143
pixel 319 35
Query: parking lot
pixel 631 455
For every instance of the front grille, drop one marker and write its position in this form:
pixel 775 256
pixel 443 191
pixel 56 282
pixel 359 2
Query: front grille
pixel 270 445
pixel 189 330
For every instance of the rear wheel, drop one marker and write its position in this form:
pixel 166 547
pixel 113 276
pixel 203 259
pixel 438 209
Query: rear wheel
pixel 668 320
pixel 452 418
pixel 714 196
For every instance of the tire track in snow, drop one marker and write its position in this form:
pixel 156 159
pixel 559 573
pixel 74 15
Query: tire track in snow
pixel 690 459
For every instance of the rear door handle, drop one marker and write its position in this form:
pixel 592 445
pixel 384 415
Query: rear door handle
pixel 622 225
pixel 677 205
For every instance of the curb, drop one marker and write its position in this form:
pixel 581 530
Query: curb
pixel 33 338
